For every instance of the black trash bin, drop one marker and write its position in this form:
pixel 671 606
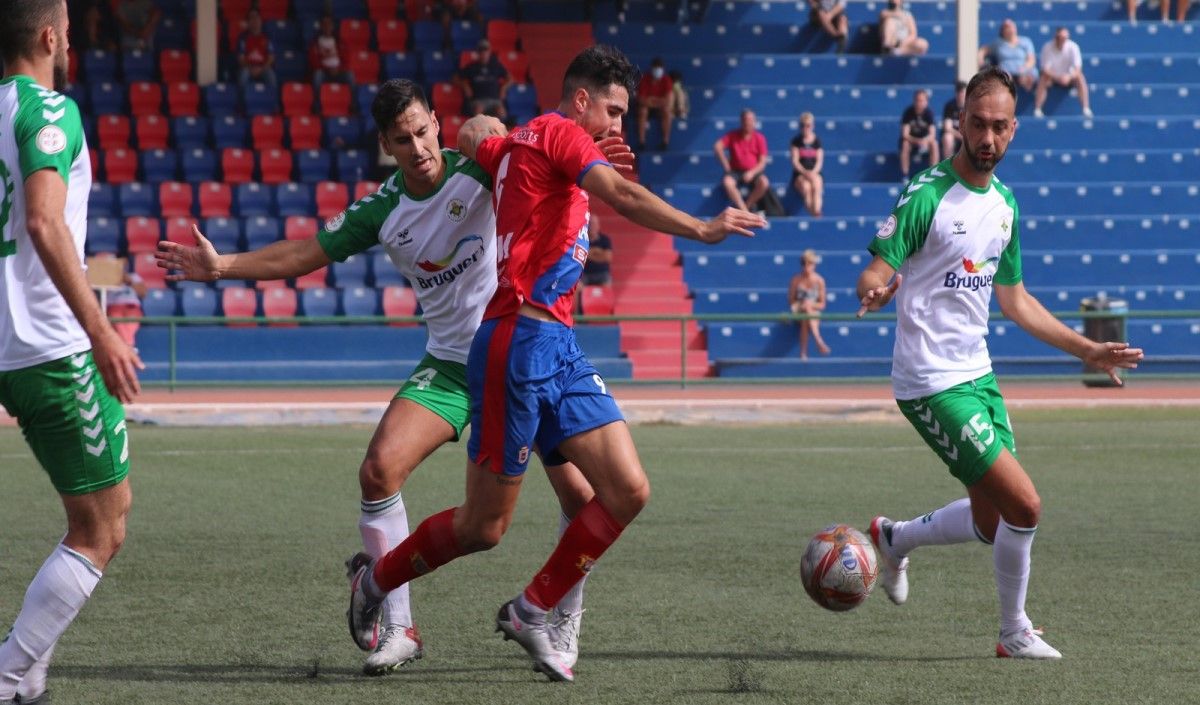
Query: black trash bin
pixel 1103 329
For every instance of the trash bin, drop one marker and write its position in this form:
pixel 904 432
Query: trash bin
pixel 1103 329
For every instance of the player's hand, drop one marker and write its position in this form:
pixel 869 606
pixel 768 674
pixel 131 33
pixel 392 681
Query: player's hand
pixel 879 297
pixel 1111 357
pixel 618 153
pixel 199 263
pixel 118 364
pixel 731 221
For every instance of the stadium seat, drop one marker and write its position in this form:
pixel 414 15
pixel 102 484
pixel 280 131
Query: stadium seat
pixel 268 284
pixel 314 279
pixel 465 35
pixel 239 302
pixel 141 234
pixel 332 198
pixel 597 300
pixel 438 66
pixel 335 99
pixel 99 66
pixel 502 34
pixel 175 65
pixel 113 131
pixel 360 301
pixel 179 229
pixel 318 301
pixel 260 231
pixel 297 98
pixel 450 127
pixel 362 188
pixel 391 36
pixel 198 165
pixel 220 99
pixel 136 198
pixel 399 301
pixel 237 165
pixel 314 165
pixel 291 65
pixel 107 98
pixel 350 165
pixel 145 98
pixel 154 276
pixel 120 165
pixel 254 199
pixel 224 233
pixel 364 65
pixel 137 65
pixel 103 234
pixel 159 165
pixel 294 199
pixel 279 302
pixel 198 301
pixel 299 227
pixel 284 35
pixel 342 132
pixel 260 99
pixel 274 9
pixel 304 132
pixel 447 99
pixel 352 272
pixel 216 199
pixel 382 10
pixel 159 302
pixel 364 96
pixel 384 272
pixel 174 198
pixel 102 200
pixel 183 98
pixel 516 63
pixel 521 101
pixel 419 9
pixel 230 131
pixel 190 132
pixel 235 11
pixel 354 35
pixel 174 33
pixel 427 35
pixel 153 132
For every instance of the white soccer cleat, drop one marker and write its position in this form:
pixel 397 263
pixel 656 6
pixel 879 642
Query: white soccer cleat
pixel 1025 644
pixel 364 614
pixel 398 645
pixel 893 573
pixel 564 634
pixel 535 639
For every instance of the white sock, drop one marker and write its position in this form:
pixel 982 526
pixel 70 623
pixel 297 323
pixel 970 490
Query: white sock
pixel 383 525
pixel 572 602
pixel 1011 556
pixel 58 591
pixel 950 524
pixel 34 682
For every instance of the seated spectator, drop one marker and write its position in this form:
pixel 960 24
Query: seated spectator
pixel 745 164
pixel 655 92
pixel 898 31
pixel 951 135
pixel 325 56
pixel 255 55
pixel 598 269
pixel 93 26
pixel 1181 10
pixel 807 159
pixel 830 16
pixel 484 82
pixel 917 132
pixel 1062 65
pixel 806 295
pixel 139 21
pixel 683 104
pixel 126 302
pixel 1012 53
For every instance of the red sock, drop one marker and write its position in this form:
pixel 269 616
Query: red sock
pixel 587 537
pixel 428 548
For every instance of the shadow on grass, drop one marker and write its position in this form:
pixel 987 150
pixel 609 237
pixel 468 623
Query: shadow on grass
pixel 261 673
pixel 808 655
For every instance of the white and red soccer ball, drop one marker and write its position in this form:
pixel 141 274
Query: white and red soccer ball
pixel 839 568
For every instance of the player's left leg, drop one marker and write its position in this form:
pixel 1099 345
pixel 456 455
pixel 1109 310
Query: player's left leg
pixel 1081 85
pixel 566 618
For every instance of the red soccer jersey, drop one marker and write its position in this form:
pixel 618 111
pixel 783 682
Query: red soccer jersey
pixel 541 213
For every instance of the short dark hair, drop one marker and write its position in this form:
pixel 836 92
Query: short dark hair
pixel 393 98
pixel 960 86
pixel 987 80
pixel 597 68
pixel 21 21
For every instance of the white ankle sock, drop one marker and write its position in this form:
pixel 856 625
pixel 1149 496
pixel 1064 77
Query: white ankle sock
pixel 950 524
pixel 572 602
pixel 383 525
pixel 58 591
pixel 1011 557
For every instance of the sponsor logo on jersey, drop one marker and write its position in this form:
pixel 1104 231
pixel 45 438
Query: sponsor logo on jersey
pixel 525 135
pixel 987 266
pixel 888 228
pixel 334 224
pixel 580 254
pixel 439 265
pixel 959 228
pixel 456 211
pixel 402 239
pixel 978 275
pixel 444 271
pixel 51 139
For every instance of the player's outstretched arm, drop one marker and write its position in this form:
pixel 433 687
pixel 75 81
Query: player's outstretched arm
pixel 874 291
pixel 1026 311
pixel 474 131
pixel 633 201
pixel 201 262
pixel 117 361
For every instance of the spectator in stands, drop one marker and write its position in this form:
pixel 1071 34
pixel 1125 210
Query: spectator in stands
pixel 484 82
pixel 745 164
pixel 951 136
pixel 806 295
pixel 255 55
pixel 807 159
pixel 1062 65
pixel 126 302
pixel 597 271
pixel 139 21
pixel 683 104
pixel 325 56
pixel 459 11
pixel 898 31
pixel 656 92
pixel 918 132
pixel 830 16
pixel 1181 10
pixel 93 26
pixel 1012 53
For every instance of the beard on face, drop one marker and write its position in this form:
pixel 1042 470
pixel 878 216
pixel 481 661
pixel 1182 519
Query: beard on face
pixel 980 164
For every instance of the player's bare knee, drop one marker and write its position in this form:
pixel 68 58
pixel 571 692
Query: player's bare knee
pixel 379 479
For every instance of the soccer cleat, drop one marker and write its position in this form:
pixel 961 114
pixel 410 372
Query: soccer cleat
pixel 535 639
pixel 364 614
pixel 564 634
pixel 893 574
pixel 1025 644
pixel 43 699
pixel 398 645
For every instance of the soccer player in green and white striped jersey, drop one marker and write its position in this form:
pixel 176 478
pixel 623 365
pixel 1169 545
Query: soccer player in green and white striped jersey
pixel 953 236
pixel 64 370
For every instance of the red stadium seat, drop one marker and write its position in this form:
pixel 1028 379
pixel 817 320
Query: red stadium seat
pixel 335 99
pixel 313 280
pixel 297 98
pixel 179 230
pixel 145 266
pixel 598 300
pixel 153 132
pixel 145 98
pixel 450 127
pixel 274 9
pixel 447 99
pixel 120 165
pixel 354 35
pixel 175 65
pixel 502 34
pixel 266 132
pixel 466 57
pixel 279 302
pixel 183 99
pixel 362 188
pixel 383 10
pixel 237 165
pixel 113 131
pixel 268 284
pixel 416 10
pixel 94 158
pixel 399 301
pixel 174 198
pixel 516 63
pixel 391 36
pixel 276 165
pixel 239 302
pixel 235 10
pixel 304 132
pixel 299 227
pixel 332 198
pixel 216 200
pixel 364 64
pixel 142 234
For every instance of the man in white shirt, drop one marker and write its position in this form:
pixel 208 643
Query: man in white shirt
pixel 1062 65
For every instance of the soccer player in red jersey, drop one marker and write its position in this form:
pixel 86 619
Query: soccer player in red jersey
pixel 532 388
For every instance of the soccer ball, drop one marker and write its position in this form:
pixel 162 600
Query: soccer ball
pixel 839 568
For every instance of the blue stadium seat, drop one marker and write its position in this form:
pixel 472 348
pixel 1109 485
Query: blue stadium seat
pixel 200 301
pixel 351 165
pixel 291 65
pixel 102 200
pixel 198 165
pixel 174 32
pixel 402 65
pixel 385 273
pixel 103 234
pixel 319 301
pixel 364 96
pixel 138 65
pixel 220 99
pixel 425 35
pixel 137 198
pixel 261 231
pixel 294 199
pixel 99 66
pixel 438 66
pixel 224 233
pixel 351 273
pixel 160 303
pixel 230 131
pixel 107 98
pixel 159 165
pixel 260 99
pixel 253 199
pixel 465 36
pixel 190 132
pixel 284 34
pixel 521 102
pixel 314 165
pixel 343 132
pixel 360 301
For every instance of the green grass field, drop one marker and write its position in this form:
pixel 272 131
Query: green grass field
pixel 230 588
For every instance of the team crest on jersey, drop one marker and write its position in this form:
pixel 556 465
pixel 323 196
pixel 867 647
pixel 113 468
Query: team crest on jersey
pixel 51 139
pixel 586 563
pixel 334 224
pixel 888 228
pixel 1005 226
pixel 523 455
pixel 456 211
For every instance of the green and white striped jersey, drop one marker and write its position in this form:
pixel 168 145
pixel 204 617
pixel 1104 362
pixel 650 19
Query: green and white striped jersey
pixel 39 129
pixel 444 243
pixel 952 242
